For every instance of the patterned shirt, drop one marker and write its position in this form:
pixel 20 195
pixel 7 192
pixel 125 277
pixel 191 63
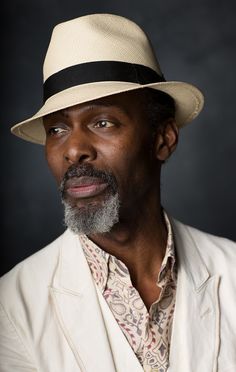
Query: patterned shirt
pixel 148 332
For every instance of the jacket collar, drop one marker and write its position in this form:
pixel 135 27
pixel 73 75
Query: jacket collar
pixel 196 326
pixel 189 258
pixel 72 266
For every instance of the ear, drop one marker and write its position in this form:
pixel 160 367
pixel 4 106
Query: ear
pixel 166 140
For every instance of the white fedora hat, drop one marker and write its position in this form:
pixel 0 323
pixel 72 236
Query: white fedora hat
pixel 96 56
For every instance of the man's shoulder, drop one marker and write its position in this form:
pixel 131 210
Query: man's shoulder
pixel 200 237
pixel 214 250
pixel 37 268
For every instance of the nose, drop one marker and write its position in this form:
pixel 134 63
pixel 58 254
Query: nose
pixel 79 149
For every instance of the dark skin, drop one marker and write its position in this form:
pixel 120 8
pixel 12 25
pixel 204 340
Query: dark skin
pixel 112 134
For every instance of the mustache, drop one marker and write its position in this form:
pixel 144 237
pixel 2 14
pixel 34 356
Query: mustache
pixel 87 170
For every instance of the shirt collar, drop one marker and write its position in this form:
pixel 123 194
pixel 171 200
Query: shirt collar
pixel 98 260
pixel 168 266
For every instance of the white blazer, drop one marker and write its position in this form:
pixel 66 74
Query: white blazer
pixel 53 318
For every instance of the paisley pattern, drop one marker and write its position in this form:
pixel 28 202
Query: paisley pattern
pixel 148 332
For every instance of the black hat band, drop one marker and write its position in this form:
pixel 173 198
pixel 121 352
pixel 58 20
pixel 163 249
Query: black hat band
pixel 92 72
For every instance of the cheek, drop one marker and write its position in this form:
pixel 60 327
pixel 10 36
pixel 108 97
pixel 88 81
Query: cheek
pixel 131 163
pixel 54 162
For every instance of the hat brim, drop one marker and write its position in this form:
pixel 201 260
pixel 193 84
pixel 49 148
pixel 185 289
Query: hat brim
pixel 188 99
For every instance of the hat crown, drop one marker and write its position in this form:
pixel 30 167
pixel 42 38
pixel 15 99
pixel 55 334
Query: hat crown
pixel 98 37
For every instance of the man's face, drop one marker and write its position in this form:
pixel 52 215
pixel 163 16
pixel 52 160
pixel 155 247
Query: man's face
pixel 101 155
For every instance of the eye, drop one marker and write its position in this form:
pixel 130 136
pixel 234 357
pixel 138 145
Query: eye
pixel 55 131
pixel 103 124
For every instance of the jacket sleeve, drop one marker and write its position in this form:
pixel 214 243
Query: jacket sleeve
pixel 13 354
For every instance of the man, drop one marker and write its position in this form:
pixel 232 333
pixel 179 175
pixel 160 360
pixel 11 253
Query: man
pixel 125 288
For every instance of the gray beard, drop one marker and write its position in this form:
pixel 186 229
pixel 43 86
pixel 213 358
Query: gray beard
pixel 92 219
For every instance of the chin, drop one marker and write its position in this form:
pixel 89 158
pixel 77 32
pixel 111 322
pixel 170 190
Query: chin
pixel 92 216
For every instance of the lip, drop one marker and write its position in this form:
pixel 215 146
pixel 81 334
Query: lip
pixel 84 187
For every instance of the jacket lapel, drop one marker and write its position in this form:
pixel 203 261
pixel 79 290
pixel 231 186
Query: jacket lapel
pixel 195 334
pixel 77 309
pixel 84 317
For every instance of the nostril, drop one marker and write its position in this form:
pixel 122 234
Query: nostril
pixel 78 159
pixel 67 159
pixel 83 157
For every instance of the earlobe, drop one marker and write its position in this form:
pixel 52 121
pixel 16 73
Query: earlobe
pixel 166 140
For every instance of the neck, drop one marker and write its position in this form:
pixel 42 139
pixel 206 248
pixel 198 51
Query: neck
pixel 139 241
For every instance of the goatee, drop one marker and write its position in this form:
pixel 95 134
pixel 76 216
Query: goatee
pixel 91 217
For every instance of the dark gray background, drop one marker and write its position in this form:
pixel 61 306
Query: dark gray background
pixel 195 43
